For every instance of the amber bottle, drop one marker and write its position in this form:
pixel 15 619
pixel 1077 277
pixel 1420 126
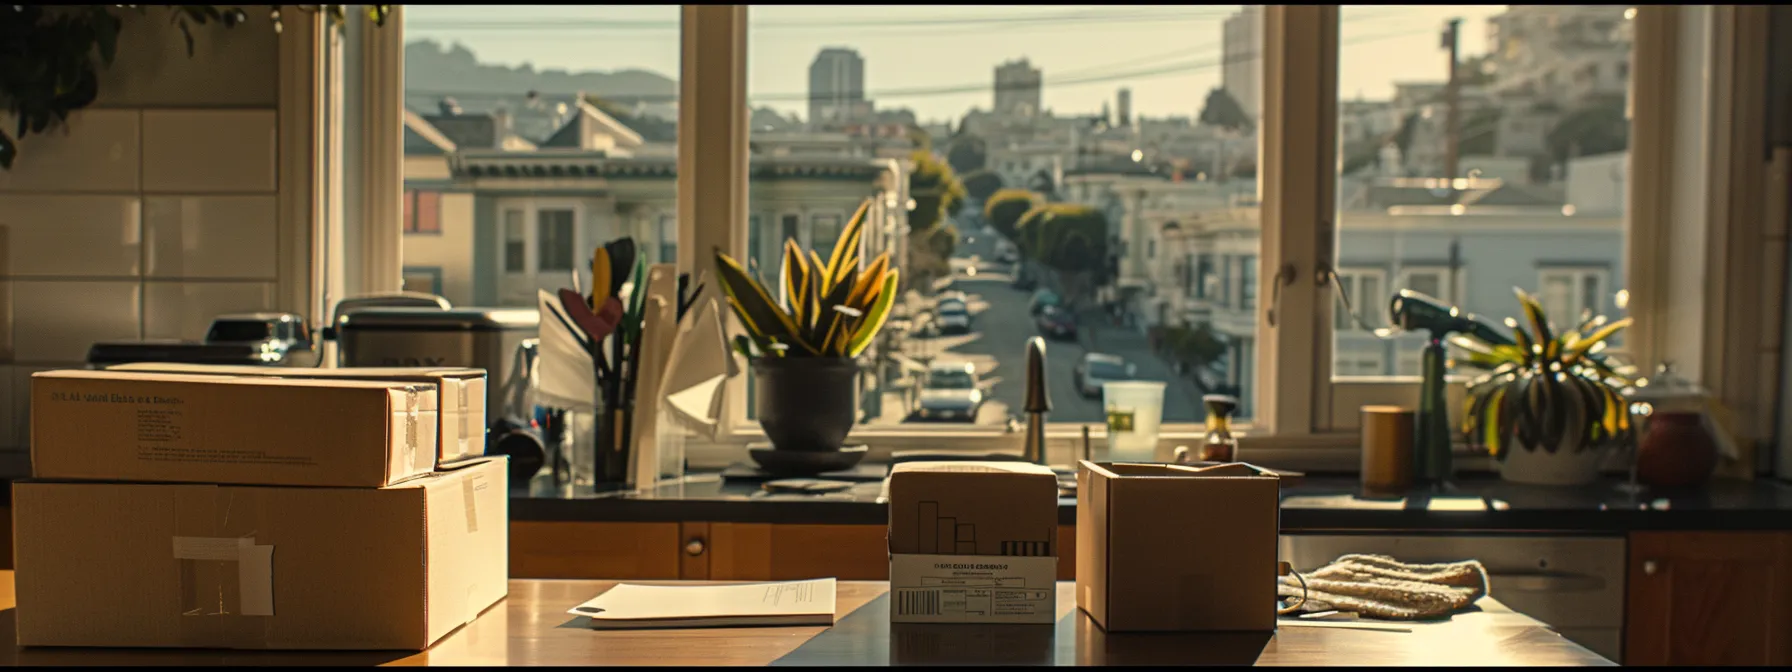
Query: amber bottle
pixel 1220 445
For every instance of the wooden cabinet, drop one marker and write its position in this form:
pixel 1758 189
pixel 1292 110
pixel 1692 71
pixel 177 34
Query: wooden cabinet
pixel 767 552
pixel 1709 598
pixel 579 550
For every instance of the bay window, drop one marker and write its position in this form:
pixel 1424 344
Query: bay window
pixel 1333 149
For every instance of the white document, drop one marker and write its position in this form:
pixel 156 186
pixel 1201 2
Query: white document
pixel 778 603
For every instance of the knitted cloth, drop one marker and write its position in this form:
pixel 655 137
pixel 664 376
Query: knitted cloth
pixel 1377 586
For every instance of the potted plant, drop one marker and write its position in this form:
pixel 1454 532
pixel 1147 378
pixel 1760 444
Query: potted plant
pixel 1549 405
pixel 803 343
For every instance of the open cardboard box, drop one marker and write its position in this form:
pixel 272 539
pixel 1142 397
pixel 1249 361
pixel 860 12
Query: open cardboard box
pixel 1176 548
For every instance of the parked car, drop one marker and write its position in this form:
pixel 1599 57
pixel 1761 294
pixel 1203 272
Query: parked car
pixel 951 317
pixel 1022 280
pixel 951 394
pixel 1041 299
pixel 1056 323
pixel 1097 368
pixel 1006 252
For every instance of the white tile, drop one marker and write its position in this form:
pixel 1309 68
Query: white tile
pixel 69 235
pixel 55 321
pixel 96 151
pixel 208 151
pixel 184 310
pixel 229 66
pixel 210 236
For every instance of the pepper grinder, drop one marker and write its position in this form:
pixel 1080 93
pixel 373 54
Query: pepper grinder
pixel 1220 445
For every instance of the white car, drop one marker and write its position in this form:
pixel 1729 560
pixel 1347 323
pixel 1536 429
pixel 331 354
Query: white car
pixel 952 318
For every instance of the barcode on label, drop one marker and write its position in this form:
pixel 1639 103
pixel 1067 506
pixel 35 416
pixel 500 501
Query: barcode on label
pixel 918 603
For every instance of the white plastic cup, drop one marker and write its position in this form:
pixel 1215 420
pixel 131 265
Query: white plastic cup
pixel 1134 408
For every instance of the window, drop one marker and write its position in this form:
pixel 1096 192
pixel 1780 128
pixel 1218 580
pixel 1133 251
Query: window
pixel 1247 284
pixel 668 239
pixel 493 103
pixel 882 71
pixel 1393 208
pixel 425 280
pixel 1567 292
pixel 422 211
pixel 1367 362
pixel 515 242
pixel 825 231
pixel 554 231
pixel 1364 287
pixel 1428 200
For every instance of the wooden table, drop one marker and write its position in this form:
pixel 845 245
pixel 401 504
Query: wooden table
pixel 532 627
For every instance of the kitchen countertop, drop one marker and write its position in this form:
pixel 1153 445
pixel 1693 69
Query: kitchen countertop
pixel 1320 504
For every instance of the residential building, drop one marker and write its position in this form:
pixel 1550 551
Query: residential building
pixel 837 87
pixel 1123 106
pixel 1563 53
pixel 1018 90
pixel 1241 48
pixel 490 226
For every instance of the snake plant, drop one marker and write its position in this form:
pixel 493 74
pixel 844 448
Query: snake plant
pixel 829 308
pixel 1546 390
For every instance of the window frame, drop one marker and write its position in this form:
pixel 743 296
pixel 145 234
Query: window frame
pixel 1302 414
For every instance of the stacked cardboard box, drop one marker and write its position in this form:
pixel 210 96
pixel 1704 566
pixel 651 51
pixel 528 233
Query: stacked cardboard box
pixel 973 542
pixel 242 511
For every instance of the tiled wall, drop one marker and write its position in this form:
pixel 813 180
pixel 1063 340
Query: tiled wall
pixel 155 211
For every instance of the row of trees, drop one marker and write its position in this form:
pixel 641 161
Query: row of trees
pixel 1069 239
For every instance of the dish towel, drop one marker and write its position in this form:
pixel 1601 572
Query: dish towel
pixel 1377 586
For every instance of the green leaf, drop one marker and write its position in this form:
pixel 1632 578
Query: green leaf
pixel 754 306
pixel 874 320
pixel 1539 324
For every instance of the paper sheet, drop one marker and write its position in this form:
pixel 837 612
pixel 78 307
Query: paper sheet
pixel 773 600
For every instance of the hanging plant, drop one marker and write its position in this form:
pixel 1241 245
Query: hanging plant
pixel 51 55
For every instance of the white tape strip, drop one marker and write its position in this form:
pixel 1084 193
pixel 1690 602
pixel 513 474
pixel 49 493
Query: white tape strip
pixel 254 567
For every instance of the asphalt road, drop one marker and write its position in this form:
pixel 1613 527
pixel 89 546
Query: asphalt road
pixel 1001 326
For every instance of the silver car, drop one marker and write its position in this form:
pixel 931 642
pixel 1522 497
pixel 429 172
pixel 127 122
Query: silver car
pixel 1097 368
pixel 951 394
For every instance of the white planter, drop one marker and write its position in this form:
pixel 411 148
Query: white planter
pixel 1566 466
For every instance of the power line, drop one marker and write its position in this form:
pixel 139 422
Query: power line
pixel 922 92
pixel 571 23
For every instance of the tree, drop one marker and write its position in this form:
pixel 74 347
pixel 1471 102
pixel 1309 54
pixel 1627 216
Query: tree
pixel 981 184
pixel 1005 208
pixel 1193 349
pixel 967 153
pixel 1598 127
pixel 1221 110
pixel 1071 239
pixel 1042 183
pixel 1481 132
pixel 937 194
pixel 936 191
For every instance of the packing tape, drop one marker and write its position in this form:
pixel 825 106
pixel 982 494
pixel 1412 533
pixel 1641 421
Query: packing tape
pixel 254 572
pixel 466 432
pixel 410 425
pixel 468 494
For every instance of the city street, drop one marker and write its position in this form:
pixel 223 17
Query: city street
pixel 1001 326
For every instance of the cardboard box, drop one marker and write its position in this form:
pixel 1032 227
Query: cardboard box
pixel 973 542
pixel 1164 547
pixel 250 567
pixel 164 427
pixel 460 433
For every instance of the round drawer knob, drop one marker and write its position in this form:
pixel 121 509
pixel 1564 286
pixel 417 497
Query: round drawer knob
pixel 694 547
pixel 1649 567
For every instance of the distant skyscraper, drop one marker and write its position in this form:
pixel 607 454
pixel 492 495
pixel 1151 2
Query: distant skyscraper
pixel 1017 89
pixel 1125 105
pixel 1242 46
pixel 836 86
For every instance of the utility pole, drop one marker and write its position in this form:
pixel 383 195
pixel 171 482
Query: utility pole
pixel 1452 102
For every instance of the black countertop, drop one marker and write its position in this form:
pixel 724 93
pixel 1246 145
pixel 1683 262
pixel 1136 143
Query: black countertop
pixel 1320 504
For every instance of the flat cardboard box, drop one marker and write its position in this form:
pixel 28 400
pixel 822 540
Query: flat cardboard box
pixel 248 567
pixel 460 432
pixel 973 542
pixel 164 427
pixel 1164 547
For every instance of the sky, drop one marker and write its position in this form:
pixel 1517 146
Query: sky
pixel 945 56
